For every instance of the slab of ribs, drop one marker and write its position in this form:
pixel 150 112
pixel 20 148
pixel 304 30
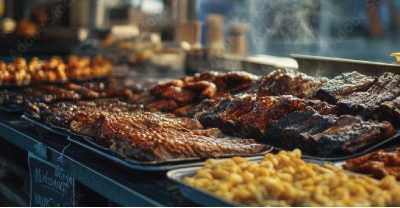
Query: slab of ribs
pixel 291 122
pixel 147 136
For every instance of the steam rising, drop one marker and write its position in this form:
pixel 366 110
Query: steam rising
pixel 286 21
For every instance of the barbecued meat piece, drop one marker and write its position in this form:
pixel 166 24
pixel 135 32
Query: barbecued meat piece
pixel 150 141
pixel 141 135
pixel 390 110
pixel 326 135
pixel 61 114
pixel 287 82
pixel 291 122
pixel 296 129
pixel 351 133
pixel 191 90
pixel 377 164
pixel 250 114
pixel 343 85
pixel 368 103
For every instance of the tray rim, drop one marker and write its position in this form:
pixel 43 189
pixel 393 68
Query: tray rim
pixel 177 175
pixel 342 60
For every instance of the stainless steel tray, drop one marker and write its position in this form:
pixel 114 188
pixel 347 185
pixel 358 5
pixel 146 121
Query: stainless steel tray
pixel 90 145
pixel 330 67
pixel 205 198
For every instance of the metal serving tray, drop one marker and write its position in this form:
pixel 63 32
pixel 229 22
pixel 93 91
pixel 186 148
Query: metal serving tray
pixel 330 67
pixel 208 199
pixel 90 145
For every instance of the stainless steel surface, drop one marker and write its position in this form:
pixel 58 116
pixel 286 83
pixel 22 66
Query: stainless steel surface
pixel 329 66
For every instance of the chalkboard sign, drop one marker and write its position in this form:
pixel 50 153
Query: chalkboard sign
pixel 50 185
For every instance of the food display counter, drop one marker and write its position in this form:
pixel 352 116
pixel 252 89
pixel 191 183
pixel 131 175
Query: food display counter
pixel 196 103
pixel 91 130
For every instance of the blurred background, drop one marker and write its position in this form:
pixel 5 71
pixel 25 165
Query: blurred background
pixel 135 29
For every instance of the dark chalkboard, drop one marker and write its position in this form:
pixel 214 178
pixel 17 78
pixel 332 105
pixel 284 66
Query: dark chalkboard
pixel 50 185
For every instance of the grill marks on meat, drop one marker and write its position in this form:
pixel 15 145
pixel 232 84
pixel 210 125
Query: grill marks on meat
pixel 250 114
pixel 287 82
pixel 178 96
pixel 149 141
pixel 149 136
pixel 343 85
pixel 377 164
pixel 291 122
pixel 350 134
pixel 369 104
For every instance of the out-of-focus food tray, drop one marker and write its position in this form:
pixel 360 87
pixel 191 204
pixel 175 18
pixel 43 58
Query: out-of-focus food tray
pixel 90 145
pixel 330 66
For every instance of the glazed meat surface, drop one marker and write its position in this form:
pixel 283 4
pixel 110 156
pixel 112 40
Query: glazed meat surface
pixel 343 85
pixel 390 110
pixel 250 114
pixel 351 133
pixel 368 103
pixel 377 164
pixel 182 94
pixel 287 82
pixel 134 133
pixel 291 122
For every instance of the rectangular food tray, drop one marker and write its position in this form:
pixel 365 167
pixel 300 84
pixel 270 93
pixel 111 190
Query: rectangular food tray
pixel 205 198
pixel 88 144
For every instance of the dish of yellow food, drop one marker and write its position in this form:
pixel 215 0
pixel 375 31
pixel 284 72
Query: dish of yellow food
pixel 284 179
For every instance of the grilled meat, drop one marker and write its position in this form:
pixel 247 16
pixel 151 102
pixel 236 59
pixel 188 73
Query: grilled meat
pixel 343 85
pixel 250 115
pixel 368 103
pixel 390 110
pixel 351 133
pixel 61 114
pixel 291 122
pixel 287 82
pixel 169 96
pixel 296 129
pixel 377 164
pixel 134 133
